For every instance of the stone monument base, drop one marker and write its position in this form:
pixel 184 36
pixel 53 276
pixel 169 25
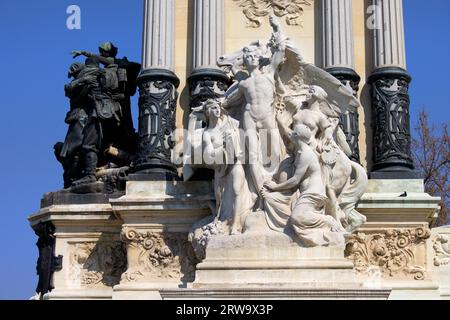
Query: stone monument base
pixel 101 243
pixel 271 265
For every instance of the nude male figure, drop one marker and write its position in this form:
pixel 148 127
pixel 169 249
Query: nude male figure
pixel 258 90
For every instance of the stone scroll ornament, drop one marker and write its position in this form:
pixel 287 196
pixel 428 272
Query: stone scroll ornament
pixel 152 255
pixel 255 10
pixel 305 185
pixel 395 252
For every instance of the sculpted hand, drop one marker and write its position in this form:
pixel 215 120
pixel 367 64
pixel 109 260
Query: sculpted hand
pixel 270 185
pixel 280 117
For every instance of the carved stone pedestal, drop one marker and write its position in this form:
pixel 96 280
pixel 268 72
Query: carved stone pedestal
pixel 158 216
pixel 87 240
pixel 264 265
pixel 394 247
pixel 135 247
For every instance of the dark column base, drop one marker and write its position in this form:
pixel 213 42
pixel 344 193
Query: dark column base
pixel 157 107
pixel 349 121
pixel 391 125
pixel 396 173
pixel 207 83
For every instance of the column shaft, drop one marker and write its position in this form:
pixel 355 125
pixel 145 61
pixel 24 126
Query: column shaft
pixel 206 81
pixel 338 60
pixel 390 99
pixel 157 93
pixel 158 34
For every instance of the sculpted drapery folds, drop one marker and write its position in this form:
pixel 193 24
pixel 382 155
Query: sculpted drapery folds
pixel 293 156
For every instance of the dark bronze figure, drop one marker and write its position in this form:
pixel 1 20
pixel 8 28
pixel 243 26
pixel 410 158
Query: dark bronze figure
pixel 101 138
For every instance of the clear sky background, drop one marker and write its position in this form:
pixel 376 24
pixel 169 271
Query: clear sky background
pixel 35 48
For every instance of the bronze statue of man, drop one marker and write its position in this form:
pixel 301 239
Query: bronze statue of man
pixel 68 153
pixel 128 72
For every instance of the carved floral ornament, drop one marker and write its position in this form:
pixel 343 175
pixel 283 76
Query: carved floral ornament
pixel 97 263
pixel 393 252
pixel 441 248
pixel 255 10
pixel 157 256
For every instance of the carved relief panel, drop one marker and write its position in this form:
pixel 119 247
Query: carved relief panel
pixel 255 10
pixel 95 264
pixel 396 254
pixel 158 256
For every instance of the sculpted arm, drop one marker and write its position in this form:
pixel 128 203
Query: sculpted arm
pixel 103 60
pixel 294 182
pixel 284 128
pixel 232 97
pixel 277 44
pixel 327 128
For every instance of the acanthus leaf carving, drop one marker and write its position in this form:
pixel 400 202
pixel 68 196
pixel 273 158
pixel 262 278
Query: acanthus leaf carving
pixel 158 256
pixel 97 263
pixel 393 252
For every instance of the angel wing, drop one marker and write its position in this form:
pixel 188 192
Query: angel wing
pixel 295 73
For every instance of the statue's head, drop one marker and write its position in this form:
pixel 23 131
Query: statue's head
pixel 108 50
pixel 252 57
pixel 315 93
pixel 212 109
pixel 75 69
pixel 302 133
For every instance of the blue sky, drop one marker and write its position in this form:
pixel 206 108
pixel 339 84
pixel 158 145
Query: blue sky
pixel 35 56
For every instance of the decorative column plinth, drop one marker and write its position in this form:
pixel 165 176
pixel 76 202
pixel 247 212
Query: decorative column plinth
pixel 394 247
pixel 207 83
pixel 157 217
pixel 391 124
pixel 82 254
pixel 349 121
pixel 157 107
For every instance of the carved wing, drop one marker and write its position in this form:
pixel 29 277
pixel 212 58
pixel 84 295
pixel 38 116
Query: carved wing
pixel 296 73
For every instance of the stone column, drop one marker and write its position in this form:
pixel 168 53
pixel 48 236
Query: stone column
pixel 157 89
pixel 390 99
pixel 206 81
pixel 338 60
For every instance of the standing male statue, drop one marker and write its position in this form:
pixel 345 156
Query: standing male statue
pixel 258 90
pixel 68 153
